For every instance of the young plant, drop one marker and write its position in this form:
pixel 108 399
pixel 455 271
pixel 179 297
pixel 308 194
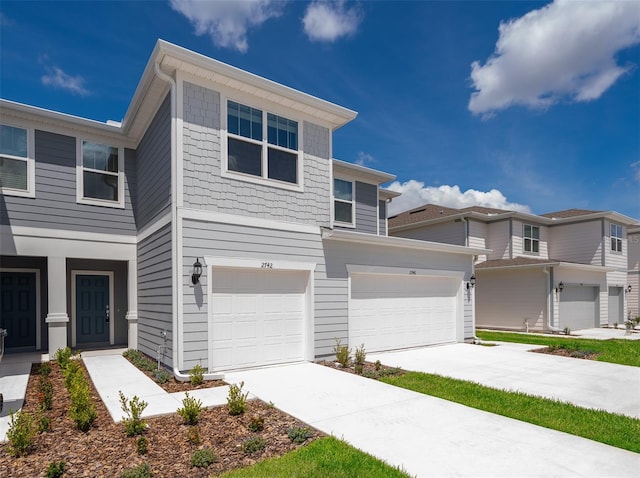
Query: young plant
pixel 21 433
pixel 45 392
pixel 141 471
pixel 567 330
pixel 55 469
pixel 254 444
pixel 142 445
pixel 45 369
pixel 162 375
pixel 133 423
pixel 256 424
pixel 193 435
pixel 63 357
pixel 358 369
pixel 377 365
pixel 196 374
pixel 360 355
pixel 203 458
pixel 82 410
pixel 343 354
pixel 236 400
pixel 191 408
pixel 44 423
pixel 299 435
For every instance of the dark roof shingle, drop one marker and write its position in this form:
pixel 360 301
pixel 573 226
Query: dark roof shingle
pixel 569 213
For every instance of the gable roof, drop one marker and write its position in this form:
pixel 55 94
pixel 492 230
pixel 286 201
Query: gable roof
pixel 569 213
pixel 422 213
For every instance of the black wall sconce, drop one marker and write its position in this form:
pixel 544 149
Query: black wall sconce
pixel 471 283
pixel 197 272
pixel 629 289
pixel 560 287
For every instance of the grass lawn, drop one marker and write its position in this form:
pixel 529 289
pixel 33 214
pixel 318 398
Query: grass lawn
pixel 620 351
pixel 613 429
pixel 322 458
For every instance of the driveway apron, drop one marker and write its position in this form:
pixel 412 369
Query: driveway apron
pixel 427 436
pixel 586 383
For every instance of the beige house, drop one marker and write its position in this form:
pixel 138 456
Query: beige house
pixel 544 272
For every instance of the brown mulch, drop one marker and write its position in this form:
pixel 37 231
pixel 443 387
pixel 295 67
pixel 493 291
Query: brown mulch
pixel 105 450
pixel 174 385
pixel 369 369
pixel 568 353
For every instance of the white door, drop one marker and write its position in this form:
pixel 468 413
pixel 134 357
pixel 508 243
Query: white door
pixel 258 317
pixel 578 307
pixel 616 305
pixel 389 312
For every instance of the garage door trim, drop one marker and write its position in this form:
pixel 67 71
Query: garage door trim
pixel 38 297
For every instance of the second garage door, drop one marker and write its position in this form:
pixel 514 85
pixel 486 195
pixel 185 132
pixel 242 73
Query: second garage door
pixel 389 312
pixel 258 317
pixel 578 307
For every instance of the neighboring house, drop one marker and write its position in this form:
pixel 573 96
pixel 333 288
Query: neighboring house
pixel 215 216
pixel 547 272
pixel 633 297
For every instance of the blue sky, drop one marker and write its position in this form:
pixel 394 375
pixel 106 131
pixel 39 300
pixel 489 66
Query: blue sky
pixel 526 105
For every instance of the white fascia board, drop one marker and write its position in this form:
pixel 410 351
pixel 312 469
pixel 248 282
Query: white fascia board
pixel 391 241
pixel 634 230
pixel 388 193
pixel 361 172
pixel 521 266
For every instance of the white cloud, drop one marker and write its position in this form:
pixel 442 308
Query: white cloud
pixel 328 21
pixel 227 22
pixel 57 78
pixel 414 194
pixel 565 50
pixel 364 159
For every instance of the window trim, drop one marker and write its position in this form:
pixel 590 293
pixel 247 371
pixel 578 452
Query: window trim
pixel 617 238
pixel 532 239
pixel 264 179
pixel 80 199
pixel 351 224
pixel 30 192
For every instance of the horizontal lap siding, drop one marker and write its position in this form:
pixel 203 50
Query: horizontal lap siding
pixel 580 242
pixel 366 208
pixel 445 232
pixel 55 205
pixel 155 293
pixel 382 217
pixel 498 240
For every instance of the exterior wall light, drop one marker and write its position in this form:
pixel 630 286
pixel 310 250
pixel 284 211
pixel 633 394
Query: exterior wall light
pixel 629 289
pixel 560 287
pixel 472 282
pixel 197 272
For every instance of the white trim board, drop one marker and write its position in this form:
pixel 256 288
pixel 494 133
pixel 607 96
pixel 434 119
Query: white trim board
pixel 211 216
pixel 76 272
pixel 384 270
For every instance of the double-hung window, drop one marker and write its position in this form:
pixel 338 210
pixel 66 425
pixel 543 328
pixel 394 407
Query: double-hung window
pixel 531 238
pixel 100 175
pixel 616 237
pixel 262 145
pixel 17 167
pixel 343 202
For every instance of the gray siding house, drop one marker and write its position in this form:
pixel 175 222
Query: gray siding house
pixel 211 226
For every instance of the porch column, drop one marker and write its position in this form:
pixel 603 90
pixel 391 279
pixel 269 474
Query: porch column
pixel 132 308
pixel 57 317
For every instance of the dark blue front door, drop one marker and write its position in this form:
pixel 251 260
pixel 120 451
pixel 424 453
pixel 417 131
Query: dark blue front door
pixel 92 308
pixel 18 308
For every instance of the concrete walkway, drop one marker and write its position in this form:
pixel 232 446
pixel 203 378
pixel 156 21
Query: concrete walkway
pixel 586 383
pixel 427 436
pixel 14 377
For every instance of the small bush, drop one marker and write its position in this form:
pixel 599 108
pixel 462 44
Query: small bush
pixel 386 372
pixel 141 471
pixel 70 371
pixel 369 374
pixel 196 374
pixel 299 435
pixel 45 370
pixel 193 435
pixel 44 423
pixel 360 355
pixel 191 408
pixel 236 400
pixel 377 365
pixel 567 330
pixel 256 424
pixel 82 410
pixel 343 354
pixel 63 357
pixel 45 392
pixel 203 458
pixel 55 469
pixel 21 433
pixel 358 369
pixel 254 444
pixel 161 375
pixel 142 445
pixel 140 360
pixel 133 423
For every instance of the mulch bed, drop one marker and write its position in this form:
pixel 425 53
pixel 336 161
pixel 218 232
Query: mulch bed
pixel 105 450
pixel 369 369
pixel 580 354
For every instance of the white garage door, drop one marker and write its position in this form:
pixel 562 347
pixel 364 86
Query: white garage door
pixel 389 312
pixel 258 317
pixel 578 307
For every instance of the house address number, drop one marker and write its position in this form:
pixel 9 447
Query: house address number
pixel 412 273
pixel 266 265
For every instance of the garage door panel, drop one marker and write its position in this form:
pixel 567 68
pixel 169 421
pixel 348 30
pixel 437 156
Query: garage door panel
pixel 578 307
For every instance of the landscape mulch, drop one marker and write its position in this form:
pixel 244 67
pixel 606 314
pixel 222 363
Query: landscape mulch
pixel 105 450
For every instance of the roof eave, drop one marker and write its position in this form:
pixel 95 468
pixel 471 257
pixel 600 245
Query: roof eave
pixel 363 172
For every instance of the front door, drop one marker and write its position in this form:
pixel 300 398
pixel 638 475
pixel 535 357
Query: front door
pixel 18 308
pixel 92 308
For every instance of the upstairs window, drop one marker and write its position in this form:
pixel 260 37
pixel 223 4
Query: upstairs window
pixel 616 238
pixel 343 202
pixel 261 144
pixel 17 168
pixel 100 177
pixel 531 235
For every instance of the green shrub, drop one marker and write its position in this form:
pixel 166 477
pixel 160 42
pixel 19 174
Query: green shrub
pixel 70 371
pixel 142 445
pixel 141 471
pixel 370 374
pixel 256 424
pixel 191 408
pixel 358 369
pixel 386 372
pixel 63 357
pixel 82 410
pixel 193 435
pixel 133 423
pixel 377 365
pixel 55 469
pixel 360 355
pixel 203 458
pixel 343 354
pixel 196 374
pixel 236 400
pixel 299 435
pixel 44 423
pixel 21 433
pixel 567 330
pixel 140 360
pixel 45 392
pixel 45 369
pixel 162 375
pixel 254 444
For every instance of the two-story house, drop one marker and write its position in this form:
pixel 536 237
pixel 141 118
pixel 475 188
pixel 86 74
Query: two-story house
pixel 544 272
pixel 213 226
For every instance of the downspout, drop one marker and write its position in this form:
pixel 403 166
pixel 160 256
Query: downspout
pixel 549 291
pixel 181 377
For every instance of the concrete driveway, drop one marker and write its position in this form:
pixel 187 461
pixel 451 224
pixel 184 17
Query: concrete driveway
pixel 427 436
pixel 587 383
